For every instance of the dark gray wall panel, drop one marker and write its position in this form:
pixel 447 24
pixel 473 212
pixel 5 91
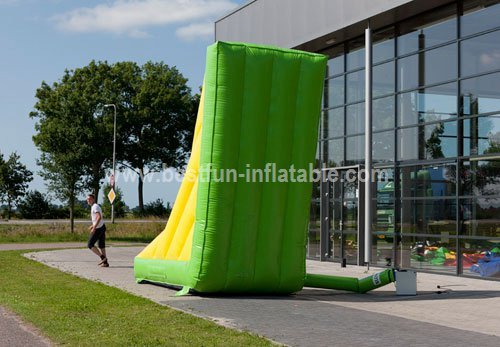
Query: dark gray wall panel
pixel 289 23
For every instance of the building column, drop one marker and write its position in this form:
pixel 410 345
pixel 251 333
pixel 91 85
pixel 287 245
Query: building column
pixel 368 147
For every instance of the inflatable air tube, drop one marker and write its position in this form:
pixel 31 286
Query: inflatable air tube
pixel 351 284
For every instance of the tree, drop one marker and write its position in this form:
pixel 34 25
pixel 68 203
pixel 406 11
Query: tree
pixel 73 134
pixel 34 205
pixel 158 129
pixel 63 174
pixel 120 206
pixel 14 180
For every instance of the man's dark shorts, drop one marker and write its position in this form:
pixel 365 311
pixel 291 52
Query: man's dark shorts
pixel 98 235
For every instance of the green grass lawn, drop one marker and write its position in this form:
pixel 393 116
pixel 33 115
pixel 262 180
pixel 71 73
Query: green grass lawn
pixel 59 232
pixel 73 311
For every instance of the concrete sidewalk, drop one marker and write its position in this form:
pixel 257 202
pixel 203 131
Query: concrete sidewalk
pixel 461 312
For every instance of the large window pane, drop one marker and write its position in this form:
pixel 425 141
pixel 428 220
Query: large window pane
pixel 481 94
pixel 336 62
pixel 333 123
pixel 427 30
pixel 333 153
pixel 476 19
pixel 440 65
pixel 383 79
pixel 383 147
pixel 429 216
pixel 334 92
pixel 355 150
pixel 479 217
pixel 383 47
pixel 428 181
pixel 428 142
pixel 428 105
pixel 356 56
pixel 383 113
pixel 481 135
pixel 355 83
pixel 355 116
pixel 408 73
pixel 430 67
pixel 481 178
pixel 480 54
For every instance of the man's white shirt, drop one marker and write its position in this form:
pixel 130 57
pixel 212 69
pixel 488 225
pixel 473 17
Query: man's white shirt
pixel 94 210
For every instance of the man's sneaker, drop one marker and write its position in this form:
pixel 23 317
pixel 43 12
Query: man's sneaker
pixel 103 260
pixel 105 264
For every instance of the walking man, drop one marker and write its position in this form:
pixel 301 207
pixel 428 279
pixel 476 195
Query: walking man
pixel 97 231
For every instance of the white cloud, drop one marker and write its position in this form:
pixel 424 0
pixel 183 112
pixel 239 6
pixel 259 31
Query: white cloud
pixel 196 30
pixel 131 17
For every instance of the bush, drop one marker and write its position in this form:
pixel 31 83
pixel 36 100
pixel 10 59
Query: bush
pixel 34 205
pixel 153 209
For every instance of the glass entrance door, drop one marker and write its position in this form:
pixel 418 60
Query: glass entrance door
pixel 344 216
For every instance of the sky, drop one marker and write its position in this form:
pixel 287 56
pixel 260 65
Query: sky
pixel 39 39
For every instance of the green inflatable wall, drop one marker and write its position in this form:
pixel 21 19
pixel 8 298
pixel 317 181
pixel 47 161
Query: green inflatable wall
pixel 261 110
pixel 262 105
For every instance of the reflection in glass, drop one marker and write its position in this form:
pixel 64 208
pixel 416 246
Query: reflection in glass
pixel 428 30
pixel 477 255
pixel 383 79
pixel 481 178
pixel 440 65
pixel 430 216
pixel 335 66
pixel 474 21
pixel 383 113
pixel 333 153
pixel 355 115
pixel 481 94
pixel 481 135
pixel 313 249
pixel 408 73
pixel 350 247
pixel 383 147
pixel 480 54
pixel 355 84
pixel 383 50
pixel 333 125
pixel 382 243
pixel 428 142
pixel 479 217
pixel 428 67
pixel 384 215
pixel 428 181
pixel 355 150
pixel 437 254
pixel 334 92
pixel 428 105
pixel 356 56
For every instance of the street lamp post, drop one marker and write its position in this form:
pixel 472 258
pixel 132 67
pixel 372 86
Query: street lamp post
pixel 114 160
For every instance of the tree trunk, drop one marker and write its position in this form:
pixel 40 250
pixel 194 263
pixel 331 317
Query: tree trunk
pixel 140 190
pixel 8 207
pixel 96 180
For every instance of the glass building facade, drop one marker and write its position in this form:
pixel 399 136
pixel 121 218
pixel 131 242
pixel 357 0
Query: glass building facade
pixel 435 145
